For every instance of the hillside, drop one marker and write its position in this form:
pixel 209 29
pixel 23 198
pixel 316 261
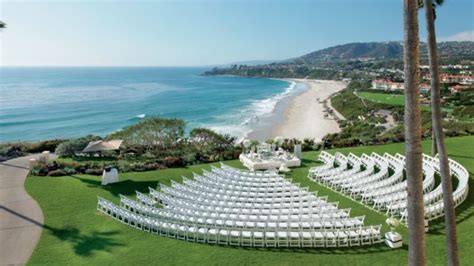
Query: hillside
pixel 374 50
pixel 351 60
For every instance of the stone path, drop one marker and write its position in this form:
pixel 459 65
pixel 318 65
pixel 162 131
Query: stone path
pixel 21 218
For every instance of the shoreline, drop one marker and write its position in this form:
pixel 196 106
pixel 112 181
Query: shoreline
pixel 303 114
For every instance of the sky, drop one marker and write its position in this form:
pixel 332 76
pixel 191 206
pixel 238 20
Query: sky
pixel 199 32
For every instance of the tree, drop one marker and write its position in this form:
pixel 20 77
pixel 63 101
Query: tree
pixel 413 151
pixel 154 134
pixel 438 134
pixel 421 4
pixel 434 149
pixel 3 25
pixel 211 146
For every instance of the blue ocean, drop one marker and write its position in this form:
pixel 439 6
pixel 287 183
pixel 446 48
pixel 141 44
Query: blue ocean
pixel 49 102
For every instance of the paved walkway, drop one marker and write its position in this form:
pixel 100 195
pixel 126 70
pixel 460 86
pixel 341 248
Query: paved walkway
pixel 21 218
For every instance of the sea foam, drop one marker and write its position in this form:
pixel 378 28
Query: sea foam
pixel 244 121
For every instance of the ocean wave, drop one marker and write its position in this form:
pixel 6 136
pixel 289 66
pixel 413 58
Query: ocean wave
pixel 242 122
pixel 238 131
pixel 137 117
pixel 266 106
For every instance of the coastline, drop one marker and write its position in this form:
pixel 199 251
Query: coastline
pixel 302 115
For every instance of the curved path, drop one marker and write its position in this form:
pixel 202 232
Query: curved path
pixel 21 218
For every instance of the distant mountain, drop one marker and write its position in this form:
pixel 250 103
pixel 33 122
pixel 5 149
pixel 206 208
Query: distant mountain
pixel 366 60
pixel 370 50
pixel 383 50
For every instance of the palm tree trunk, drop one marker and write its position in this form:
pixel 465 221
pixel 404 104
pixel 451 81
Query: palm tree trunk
pixel 434 149
pixel 449 212
pixel 413 151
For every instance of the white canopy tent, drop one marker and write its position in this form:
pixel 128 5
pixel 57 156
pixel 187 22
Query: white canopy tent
pixel 101 145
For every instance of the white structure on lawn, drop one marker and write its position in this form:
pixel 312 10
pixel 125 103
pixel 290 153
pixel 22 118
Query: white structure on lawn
pixel 267 158
pixel 384 191
pixel 233 207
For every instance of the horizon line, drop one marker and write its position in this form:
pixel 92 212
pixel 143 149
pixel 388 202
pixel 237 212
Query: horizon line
pixel 176 66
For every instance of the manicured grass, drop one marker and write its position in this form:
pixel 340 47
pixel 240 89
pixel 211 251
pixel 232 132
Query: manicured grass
pixel 392 99
pixel 75 233
pixel 385 98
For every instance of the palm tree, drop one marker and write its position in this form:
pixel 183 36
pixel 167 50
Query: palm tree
pixel 421 4
pixel 413 151
pixel 434 149
pixel 437 120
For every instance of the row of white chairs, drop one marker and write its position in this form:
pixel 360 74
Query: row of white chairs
pixel 435 209
pixel 232 177
pixel 260 197
pixel 305 212
pixel 308 221
pixel 232 204
pixel 363 235
pixel 388 192
pixel 327 159
pixel 282 203
pixel 364 161
pixel 214 182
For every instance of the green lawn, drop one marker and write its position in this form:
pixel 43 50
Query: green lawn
pixel 76 234
pixel 385 98
pixel 392 99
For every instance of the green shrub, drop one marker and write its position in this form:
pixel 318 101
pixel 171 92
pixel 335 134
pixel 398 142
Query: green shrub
pixel 123 166
pixel 69 170
pixel 137 167
pixel 171 162
pixel 307 144
pixel 39 170
pixel 153 166
pixel 191 157
pixel 93 171
pixel 47 145
pixel 58 172
pixel 158 136
pixel 210 146
pixel 289 144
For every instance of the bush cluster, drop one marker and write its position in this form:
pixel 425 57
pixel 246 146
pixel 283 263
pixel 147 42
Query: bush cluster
pixel 13 150
pixel 60 168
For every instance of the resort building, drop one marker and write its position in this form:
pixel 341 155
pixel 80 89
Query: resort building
pixel 458 88
pixel 463 79
pixel 455 67
pixel 425 88
pixel 387 85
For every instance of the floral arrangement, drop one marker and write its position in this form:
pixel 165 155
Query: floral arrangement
pixel 393 223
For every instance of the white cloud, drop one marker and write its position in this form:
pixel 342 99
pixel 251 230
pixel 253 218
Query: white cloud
pixel 459 37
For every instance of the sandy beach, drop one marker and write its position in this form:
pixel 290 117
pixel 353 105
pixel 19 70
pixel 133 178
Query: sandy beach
pixel 305 117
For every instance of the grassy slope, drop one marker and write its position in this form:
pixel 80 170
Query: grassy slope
pixel 75 234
